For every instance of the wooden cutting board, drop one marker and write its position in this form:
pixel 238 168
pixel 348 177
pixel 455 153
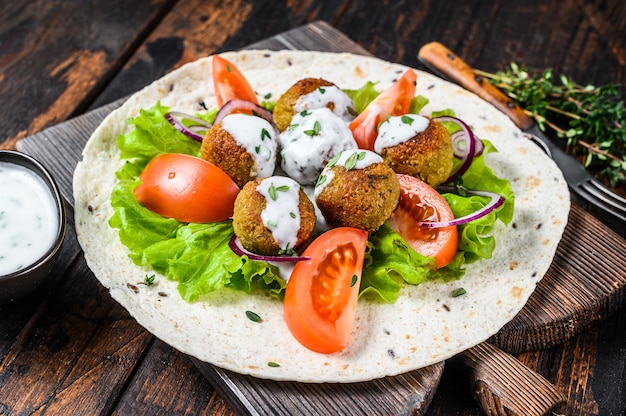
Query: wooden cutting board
pixel 579 288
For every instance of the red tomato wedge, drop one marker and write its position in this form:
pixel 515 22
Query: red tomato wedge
pixel 186 188
pixel 394 101
pixel 229 83
pixel 420 202
pixel 321 295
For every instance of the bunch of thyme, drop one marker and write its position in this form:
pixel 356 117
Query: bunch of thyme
pixel 591 119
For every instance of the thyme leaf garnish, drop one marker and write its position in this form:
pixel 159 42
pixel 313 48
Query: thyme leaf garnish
pixel 316 129
pixel 354 279
pixel 353 159
pixel 148 280
pixel 458 292
pixel 591 120
pixel 254 317
pixel 407 120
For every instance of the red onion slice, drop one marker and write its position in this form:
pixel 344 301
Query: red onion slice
pixel 238 249
pixel 243 106
pixel 496 201
pixel 175 117
pixel 466 145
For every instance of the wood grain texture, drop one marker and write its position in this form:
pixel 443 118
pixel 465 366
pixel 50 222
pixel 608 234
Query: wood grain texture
pixel 53 61
pixel 504 387
pixel 406 394
pixel 77 339
pixel 167 382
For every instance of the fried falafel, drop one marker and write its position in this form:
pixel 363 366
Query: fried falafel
pixel 357 189
pixel 243 146
pixel 310 93
pixel 314 137
pixel 273 216
pixel 415 145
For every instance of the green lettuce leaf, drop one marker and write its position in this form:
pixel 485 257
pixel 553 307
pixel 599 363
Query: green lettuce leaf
pixel 152 135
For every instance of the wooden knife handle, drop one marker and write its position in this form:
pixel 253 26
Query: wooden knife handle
pixel 441 59
pixel 503 386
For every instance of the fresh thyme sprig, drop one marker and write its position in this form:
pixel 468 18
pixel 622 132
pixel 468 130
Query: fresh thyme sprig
pixel 591 119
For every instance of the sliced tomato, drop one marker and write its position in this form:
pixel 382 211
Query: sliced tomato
pixel 186 188
pixel 420 202
pixel 229 83
pixel 394 101
pixel 321 295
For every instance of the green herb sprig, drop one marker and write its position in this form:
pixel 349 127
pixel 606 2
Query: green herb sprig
pixel 591 119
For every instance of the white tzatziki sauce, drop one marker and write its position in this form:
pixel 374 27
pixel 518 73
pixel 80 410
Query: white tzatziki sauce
pixel 282 210
pixel 399 129
pixel 321 225
pixel 349 159
pixel 322 96
pixel 258 137
pixel 28 218
pixel 312 139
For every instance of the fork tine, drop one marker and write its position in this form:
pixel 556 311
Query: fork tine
pixel 610 200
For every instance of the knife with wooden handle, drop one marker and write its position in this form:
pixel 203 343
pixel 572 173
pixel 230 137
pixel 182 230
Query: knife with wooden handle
pixel 443 60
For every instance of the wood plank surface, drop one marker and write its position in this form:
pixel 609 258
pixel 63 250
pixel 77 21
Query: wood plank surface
pixel 49 76
pixel 585 39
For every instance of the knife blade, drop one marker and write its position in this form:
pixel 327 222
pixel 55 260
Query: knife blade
pixel 446 64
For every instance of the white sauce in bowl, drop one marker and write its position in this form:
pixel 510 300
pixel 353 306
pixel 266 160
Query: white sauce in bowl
pixel 28 218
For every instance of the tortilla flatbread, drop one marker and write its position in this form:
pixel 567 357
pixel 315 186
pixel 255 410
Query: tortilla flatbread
pixel 426 324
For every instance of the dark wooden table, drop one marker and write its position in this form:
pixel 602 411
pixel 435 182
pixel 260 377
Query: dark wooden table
pixel 70 349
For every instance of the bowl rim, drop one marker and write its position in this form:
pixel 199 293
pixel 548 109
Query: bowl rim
pixel 33 165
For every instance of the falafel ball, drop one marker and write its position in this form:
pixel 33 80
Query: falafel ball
pixel 243 146
pixel 357 189
pixel 310 93
pixel 314 137
pixel 415 145
pixel 273 216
